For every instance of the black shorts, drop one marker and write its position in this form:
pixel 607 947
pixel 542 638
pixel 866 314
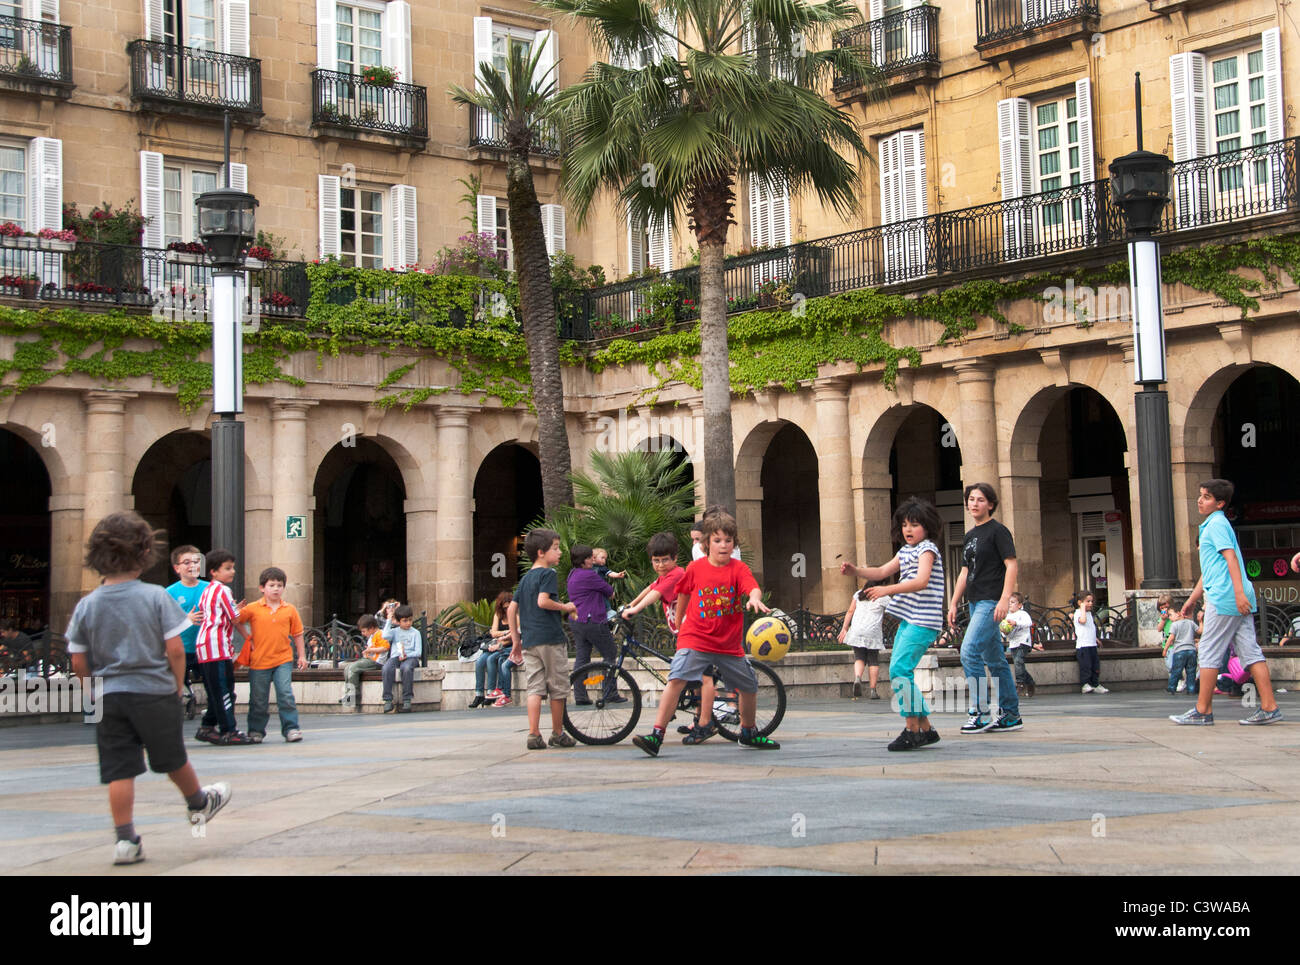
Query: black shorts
pixel 872 657
pixel 134 723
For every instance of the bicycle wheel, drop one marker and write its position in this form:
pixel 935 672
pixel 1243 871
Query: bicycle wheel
pixel 767 715
pixel 603 722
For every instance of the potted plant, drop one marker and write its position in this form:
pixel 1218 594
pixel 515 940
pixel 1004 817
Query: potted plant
pixel 256 257
pixel 26 65
pixel 28 285
pixel 186 252
pixel 54 239
pixel 329 113
pixel 13 236
pixel 767 294
pixel 379 76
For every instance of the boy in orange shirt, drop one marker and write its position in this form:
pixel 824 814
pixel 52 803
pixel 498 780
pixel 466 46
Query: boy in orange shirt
pixel 274 624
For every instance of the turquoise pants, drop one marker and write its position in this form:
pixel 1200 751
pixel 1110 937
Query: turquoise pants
pixel 910 644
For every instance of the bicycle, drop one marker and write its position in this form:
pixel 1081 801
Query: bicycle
pixel 605 721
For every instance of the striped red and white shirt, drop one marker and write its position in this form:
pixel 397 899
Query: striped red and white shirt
pixel 217 630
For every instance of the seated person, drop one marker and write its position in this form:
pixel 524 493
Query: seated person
pixel 493 664
pixel 372 658
pixel 17 651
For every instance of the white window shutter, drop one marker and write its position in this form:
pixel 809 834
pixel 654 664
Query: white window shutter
pixel 404 246
pixel 1271 42
pixel 482 43
pixel 1083 107
pixel 553 228
pixel 912 173
pixel 659 243
pixel 397 39
pixel 151 198
pixel 487 215
pixel 49 11
pixel 548 57
pixel 877 13
pixel 1015 147
pixel 153 20
pixel 327 49
pixel 330 242
pixel 889 175
pixel 234 27
pixel 238 176
pixel 780 214
pixel 667 45
pixel 759 225
pixel 636 245
pixel 1187 92
pixel 45 184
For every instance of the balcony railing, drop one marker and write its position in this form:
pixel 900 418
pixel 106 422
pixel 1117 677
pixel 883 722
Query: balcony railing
pixel 486 130
pixel 35 50
pixel 345 100
pixel 1220 189
pixel 1003 19
pixel 909 38
pixel 197 78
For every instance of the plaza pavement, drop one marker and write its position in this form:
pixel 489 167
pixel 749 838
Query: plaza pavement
pixel 1093 785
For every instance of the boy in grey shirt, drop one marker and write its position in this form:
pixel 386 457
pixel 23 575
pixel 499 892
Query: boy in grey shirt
pixel 128 634
pixel 1180 646
pixel 403 656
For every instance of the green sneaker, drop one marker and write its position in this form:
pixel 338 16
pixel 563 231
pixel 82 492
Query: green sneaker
pixel 759 742
pixel 650 743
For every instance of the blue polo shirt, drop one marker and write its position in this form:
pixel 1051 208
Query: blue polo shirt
pixel 1215 536
pixel 187 598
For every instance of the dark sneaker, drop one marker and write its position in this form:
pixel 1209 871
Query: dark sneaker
pixel 650 743
pixel 616 699
pixel 535 743
pixel 928 737
pixel 1194 718
pixel 582 701
pixel 684 728
pixel 975 725
pixel 234 737
pixel 857 689
pixel 218 797
pixel 561 740
pixel 906 741
pixel 478 701
pixel 759 742
pixel 256 737
pixel 208 734
pixel 1005 722
pixel 388 707
pixel 698 734
pixel 875 694
pixel 1263 717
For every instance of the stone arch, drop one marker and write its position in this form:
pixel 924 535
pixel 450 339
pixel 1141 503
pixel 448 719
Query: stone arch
pixel 26 566
pixel 663 442
pixel 507 498
pixel 172 488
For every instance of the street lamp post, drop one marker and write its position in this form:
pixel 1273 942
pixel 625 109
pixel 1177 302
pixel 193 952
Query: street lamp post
pixel 1141 184
pixel 226 227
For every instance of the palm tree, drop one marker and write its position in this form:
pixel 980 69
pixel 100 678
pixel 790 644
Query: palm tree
pixel 522 100
pixel 733 92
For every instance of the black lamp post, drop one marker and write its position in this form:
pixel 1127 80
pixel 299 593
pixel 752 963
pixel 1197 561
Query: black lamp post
pixel 1141 184
pixel 227 226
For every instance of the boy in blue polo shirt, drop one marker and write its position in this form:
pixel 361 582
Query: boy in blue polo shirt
pixel 187 562
pixel 1229 610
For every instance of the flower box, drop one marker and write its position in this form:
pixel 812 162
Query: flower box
pixel 254 264
pixel 186 257
pixel 28 287
pixel 54 244
pixel 19 241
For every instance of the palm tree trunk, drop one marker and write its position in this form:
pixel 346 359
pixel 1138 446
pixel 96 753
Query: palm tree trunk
pixel 715 361
pixel 537 311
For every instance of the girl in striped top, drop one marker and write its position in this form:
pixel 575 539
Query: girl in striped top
pixel 917 601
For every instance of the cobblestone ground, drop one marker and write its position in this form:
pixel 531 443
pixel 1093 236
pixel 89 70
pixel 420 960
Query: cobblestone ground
pixel 1095 784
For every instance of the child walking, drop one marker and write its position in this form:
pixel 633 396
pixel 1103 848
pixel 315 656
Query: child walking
pixel 1085 645
pixel 1180 651
pixel 917 601
pixel 863 632
pixel 215 649
pixel 1018 626
pixel 187 591
pixel 128 634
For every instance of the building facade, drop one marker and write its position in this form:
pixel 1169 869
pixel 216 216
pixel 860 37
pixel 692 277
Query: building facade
pixel 995 126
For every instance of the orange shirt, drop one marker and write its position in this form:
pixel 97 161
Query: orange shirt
pixel 377 642
pixel 272 633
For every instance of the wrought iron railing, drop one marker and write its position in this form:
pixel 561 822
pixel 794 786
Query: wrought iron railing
pixel 486 130
pixel 200 78
pixel 909 38
pixel 35 50
pixel 344 100
pixel 1002 19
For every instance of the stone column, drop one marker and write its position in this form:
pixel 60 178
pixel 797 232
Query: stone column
pixel 291 493
pixel 421 553
pixel 67 550
pixel 978 421
pixel 454 528
pixel 873 497
pixel 105 462
pixel 1020 509
pixel 834 492
pixel 695 449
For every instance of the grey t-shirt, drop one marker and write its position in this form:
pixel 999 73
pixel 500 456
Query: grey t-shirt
pixel 1184 632
pixel 124 626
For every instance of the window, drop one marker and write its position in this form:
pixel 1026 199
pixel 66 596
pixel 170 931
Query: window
pixel 13 184
pixel 182 184
pixel 1239 112
pixel 506 39
pixel 361 227
pixel 359 38
pixel 192 25
pixel 902 199
pixel 1057 155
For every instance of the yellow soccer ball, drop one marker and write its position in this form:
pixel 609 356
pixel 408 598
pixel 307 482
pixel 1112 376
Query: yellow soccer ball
pixel 768 639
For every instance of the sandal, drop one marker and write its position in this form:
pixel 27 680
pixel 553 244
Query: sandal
pixel 699 735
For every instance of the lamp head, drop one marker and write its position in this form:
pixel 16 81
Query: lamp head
pixel 1141 184
pixel 227 225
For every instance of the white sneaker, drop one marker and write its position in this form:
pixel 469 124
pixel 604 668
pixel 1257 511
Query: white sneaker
pixel 128 852
pixel 1087 688
pixel 1099 689
pixel 218 797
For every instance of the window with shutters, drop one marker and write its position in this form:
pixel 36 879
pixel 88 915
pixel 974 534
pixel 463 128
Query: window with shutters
pixel 359 37
pixel 10 37
pixel 1057 157
pixel 1239 114
pixel 361 227
pixel 505 250
pixel 182 185
pixel 506 38
pixel 903 192
pixel 192 24
pixel 13 183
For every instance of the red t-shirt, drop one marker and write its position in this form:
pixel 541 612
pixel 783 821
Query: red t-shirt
pixel 715 609
pixel 666 587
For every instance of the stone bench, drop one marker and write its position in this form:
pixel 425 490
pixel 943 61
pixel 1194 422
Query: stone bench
pixel 317 691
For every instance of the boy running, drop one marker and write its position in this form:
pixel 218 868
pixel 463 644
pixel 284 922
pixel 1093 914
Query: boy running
pixel 711 598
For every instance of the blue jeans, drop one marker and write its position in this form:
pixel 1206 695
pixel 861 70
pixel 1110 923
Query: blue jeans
pixel 492 665
pixel 910 644
pixel 407 668
pixel 259 694
pixel 1184 661
pixel 982 645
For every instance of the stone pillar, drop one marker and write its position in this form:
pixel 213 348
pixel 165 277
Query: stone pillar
pixel 454 527
pixel 421 553
pixel 873 496
pixel 67 550
pixel 291 494
pixel 105 462
pixel 695 449
pixel 978 421
pixel 595 429
pixel 834 492
pixel 1020 509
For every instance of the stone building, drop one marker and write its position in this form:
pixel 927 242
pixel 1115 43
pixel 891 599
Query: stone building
pixel 997 124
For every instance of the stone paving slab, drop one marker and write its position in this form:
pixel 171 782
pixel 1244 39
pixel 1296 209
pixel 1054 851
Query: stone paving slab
pixel 457 793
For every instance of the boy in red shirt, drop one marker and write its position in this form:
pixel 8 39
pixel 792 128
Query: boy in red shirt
pixel 711 598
